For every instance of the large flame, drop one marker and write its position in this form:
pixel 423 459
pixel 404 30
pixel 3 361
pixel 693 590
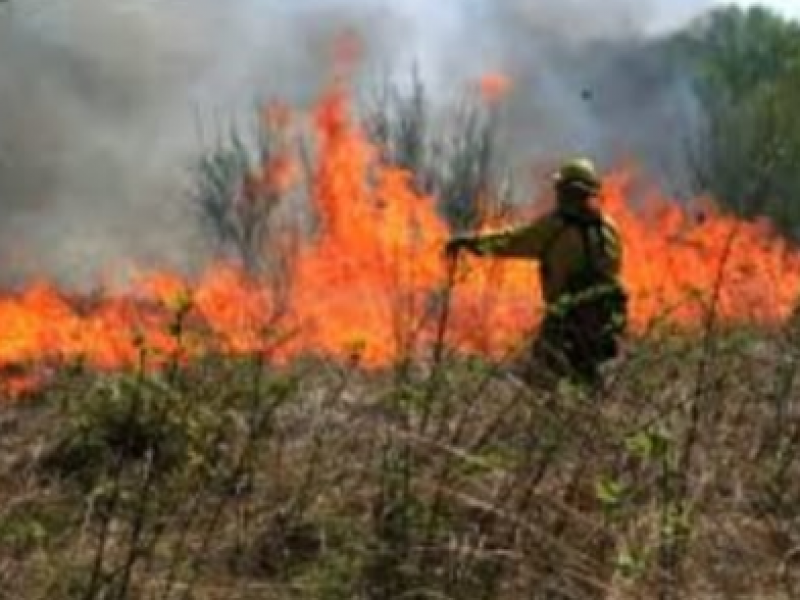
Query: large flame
pixel 372 281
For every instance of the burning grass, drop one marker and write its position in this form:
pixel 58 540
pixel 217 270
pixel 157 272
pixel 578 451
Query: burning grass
pixel 371 277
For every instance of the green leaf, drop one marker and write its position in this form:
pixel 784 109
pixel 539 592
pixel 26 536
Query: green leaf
pixel 610 493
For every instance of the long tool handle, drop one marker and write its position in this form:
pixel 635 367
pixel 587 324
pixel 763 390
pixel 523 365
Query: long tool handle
pixel 444 313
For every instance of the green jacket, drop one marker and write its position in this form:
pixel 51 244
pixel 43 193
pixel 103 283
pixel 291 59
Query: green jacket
pixel 556 240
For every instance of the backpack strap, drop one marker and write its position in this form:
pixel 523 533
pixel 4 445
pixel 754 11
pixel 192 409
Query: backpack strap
pixel 584 225
pixel 548 246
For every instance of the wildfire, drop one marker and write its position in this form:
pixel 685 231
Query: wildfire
pixel 371 280
pixel 494 87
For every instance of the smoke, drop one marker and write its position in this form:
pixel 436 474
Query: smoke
pixel 95 124
pixel 587 80
pixel 103 104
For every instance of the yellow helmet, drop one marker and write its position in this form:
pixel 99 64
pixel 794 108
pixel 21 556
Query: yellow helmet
pixel 580 173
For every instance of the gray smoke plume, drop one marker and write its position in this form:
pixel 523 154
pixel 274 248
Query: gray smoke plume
pixel 103 103
pixel 599 82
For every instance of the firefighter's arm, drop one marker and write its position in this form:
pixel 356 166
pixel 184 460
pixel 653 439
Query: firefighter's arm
pixel 527 241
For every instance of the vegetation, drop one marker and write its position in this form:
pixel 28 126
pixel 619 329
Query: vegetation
pixel 453 154
pixel 230 478
pixel 746 64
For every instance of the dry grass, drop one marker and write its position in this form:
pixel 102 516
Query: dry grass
pixel 231 480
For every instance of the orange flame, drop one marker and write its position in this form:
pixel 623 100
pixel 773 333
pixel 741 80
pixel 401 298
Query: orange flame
pixel 370 281
pixel 494 87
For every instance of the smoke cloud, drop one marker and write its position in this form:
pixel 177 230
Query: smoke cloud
pixel 103 105
pixel 594 81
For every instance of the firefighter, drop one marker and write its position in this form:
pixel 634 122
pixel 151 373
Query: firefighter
pixel 579 252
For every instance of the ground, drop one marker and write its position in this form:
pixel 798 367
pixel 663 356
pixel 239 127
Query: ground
pixel 230 478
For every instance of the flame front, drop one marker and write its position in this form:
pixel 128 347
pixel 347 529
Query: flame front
pixel 371 280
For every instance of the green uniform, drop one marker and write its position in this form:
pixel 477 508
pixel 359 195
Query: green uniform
pixel 580 256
